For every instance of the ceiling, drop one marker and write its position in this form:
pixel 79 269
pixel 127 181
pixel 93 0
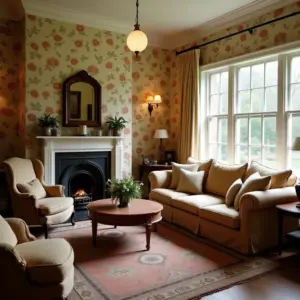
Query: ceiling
pixel 167 23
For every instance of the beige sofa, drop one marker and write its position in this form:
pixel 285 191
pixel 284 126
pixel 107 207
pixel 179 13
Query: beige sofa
pixel 250 229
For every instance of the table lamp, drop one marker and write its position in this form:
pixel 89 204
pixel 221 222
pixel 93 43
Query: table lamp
pixel 161 134
pixel 296 147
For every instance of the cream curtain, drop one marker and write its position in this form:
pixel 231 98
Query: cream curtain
pixel 189 91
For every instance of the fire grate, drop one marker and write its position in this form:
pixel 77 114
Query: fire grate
pixel 81 199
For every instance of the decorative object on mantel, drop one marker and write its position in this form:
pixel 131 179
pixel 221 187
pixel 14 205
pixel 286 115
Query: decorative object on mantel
pixel 116 125
pixel 161 134
pixel 99 132
pixel 137 40
pixel 83 130
pixel 296 147
pixel 153 102
pixel 48 124
pixel 122 191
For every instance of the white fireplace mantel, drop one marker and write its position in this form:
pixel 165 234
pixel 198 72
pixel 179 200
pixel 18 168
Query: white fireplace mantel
pixel 58 144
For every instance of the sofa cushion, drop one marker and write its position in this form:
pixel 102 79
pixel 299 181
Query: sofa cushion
pixel 7 235
pixel 221 214
pixel 34 188
pixel 190 182
pixel 253 183
pixel 279 179
pixel 232 192
pixel 54 205
pixel 221 177
pixel 176 172
pixel 165 195
pixel 47 261
pixel 194 202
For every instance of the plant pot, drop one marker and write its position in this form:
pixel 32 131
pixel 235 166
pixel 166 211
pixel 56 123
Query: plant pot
pixel 123 202
pixel 55 132
pixel 47 131
pixel 117 132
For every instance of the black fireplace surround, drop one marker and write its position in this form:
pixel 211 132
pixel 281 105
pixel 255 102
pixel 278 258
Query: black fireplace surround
pixel 84 176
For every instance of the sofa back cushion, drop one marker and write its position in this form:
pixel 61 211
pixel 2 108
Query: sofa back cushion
pixel 34 188
pixel 190 182
pixel 279 179
pixel 253 183
pixel 7 235
pixel 176 172
pixel 221 177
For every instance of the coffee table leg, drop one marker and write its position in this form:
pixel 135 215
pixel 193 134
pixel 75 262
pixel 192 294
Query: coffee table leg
pixel 148 235
pixel 280 225
pixel 94 231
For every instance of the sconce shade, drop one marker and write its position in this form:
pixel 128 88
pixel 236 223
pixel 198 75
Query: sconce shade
pixel 296 145
pixel 161 134
pixel 137 41
pixel 150 99
pixel 157 99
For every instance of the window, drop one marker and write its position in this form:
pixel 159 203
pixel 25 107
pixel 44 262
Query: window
pixel 218 115
pixel 252 110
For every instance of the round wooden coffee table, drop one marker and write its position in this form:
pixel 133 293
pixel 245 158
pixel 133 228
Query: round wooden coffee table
pixel 139 212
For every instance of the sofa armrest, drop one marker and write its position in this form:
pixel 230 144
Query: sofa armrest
pixel 20 229
pixel 54 190
pixel 160 179
pixel 266 199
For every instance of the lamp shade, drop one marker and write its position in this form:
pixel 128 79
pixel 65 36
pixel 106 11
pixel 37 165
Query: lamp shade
pixel 157 99
pixel 161 134
pixel 137 41
pixel 296 145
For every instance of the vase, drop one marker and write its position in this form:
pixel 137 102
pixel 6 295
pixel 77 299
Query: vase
pixel 124 201
pixel 47 131
pixel 117 132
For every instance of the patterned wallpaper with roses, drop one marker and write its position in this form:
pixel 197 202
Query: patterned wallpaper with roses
pixel 11 89
pixel 54 51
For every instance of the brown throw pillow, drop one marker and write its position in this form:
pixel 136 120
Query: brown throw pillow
pixel 176 172
pixel 190 182
pixel 253 183
pixel 232 192
pixel 34 188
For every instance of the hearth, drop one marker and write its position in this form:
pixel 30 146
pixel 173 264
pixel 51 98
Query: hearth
pixel 84 176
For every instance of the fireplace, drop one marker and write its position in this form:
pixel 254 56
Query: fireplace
pixel 84 176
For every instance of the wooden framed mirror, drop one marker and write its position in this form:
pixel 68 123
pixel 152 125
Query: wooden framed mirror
pixel 81 101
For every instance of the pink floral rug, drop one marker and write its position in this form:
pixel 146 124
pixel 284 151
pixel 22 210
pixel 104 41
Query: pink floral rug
pixel 178 265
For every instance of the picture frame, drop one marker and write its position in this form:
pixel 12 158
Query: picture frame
pixel 170 156
pixel 75 105
pixel 146 160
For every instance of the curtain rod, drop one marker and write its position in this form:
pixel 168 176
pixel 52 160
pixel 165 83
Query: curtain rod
pixel 250 30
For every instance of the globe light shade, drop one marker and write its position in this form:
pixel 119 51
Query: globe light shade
pixel 137 41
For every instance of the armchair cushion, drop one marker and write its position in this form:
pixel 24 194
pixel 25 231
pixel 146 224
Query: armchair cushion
pixel 7 235
pixel 47 261
pixel 34 188
pixel 54 205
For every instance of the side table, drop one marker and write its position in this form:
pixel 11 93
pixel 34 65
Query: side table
pixel 146 169
pixel 285 209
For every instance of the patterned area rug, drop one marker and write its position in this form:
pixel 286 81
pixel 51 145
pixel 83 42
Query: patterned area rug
pixel 178 266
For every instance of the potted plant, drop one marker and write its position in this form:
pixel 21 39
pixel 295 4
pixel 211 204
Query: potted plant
pixel 48 123
pixel 116 124
pixel 122 191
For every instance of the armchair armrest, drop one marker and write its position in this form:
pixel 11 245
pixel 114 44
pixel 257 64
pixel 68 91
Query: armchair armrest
pixel 54 190
pixel 10 257
pixel 266 199
pixel 160 179
pixel 20 229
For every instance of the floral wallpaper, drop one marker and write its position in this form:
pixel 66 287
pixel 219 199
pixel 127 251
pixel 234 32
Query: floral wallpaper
pixel 54 51
pixel 11 88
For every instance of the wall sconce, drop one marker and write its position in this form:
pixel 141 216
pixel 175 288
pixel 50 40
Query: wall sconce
pixel 153 102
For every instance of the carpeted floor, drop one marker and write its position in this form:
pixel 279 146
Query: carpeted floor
pixel 178 265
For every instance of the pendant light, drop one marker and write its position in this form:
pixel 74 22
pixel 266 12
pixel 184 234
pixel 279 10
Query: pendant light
pixel 137 40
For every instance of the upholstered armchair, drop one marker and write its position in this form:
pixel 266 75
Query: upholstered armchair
pixel 31 199
pixel 33 269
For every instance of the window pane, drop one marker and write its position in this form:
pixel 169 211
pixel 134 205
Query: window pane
pixel 255 153
pixel 295 128
pixel 295 96
pixel 213 105
pixel 213 130
pixel 257 76
pixel 215 83
pixel 255 127
pixel 241 155
pixel 224 82
pixel 295 70
pixel 222 155
pixel 295 161
pixel 213 150
pixel 257 100
pixel 269 157
pixel 271 73
pixel 271 99
pixel 244 79
pixel 270 131
pixel 224 104
pixel 242 131
pixel 223 131
pixel 244 102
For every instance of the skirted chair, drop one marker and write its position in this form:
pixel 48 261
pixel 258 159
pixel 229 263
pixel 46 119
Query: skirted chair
pixel 33 269
pixel 31 199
